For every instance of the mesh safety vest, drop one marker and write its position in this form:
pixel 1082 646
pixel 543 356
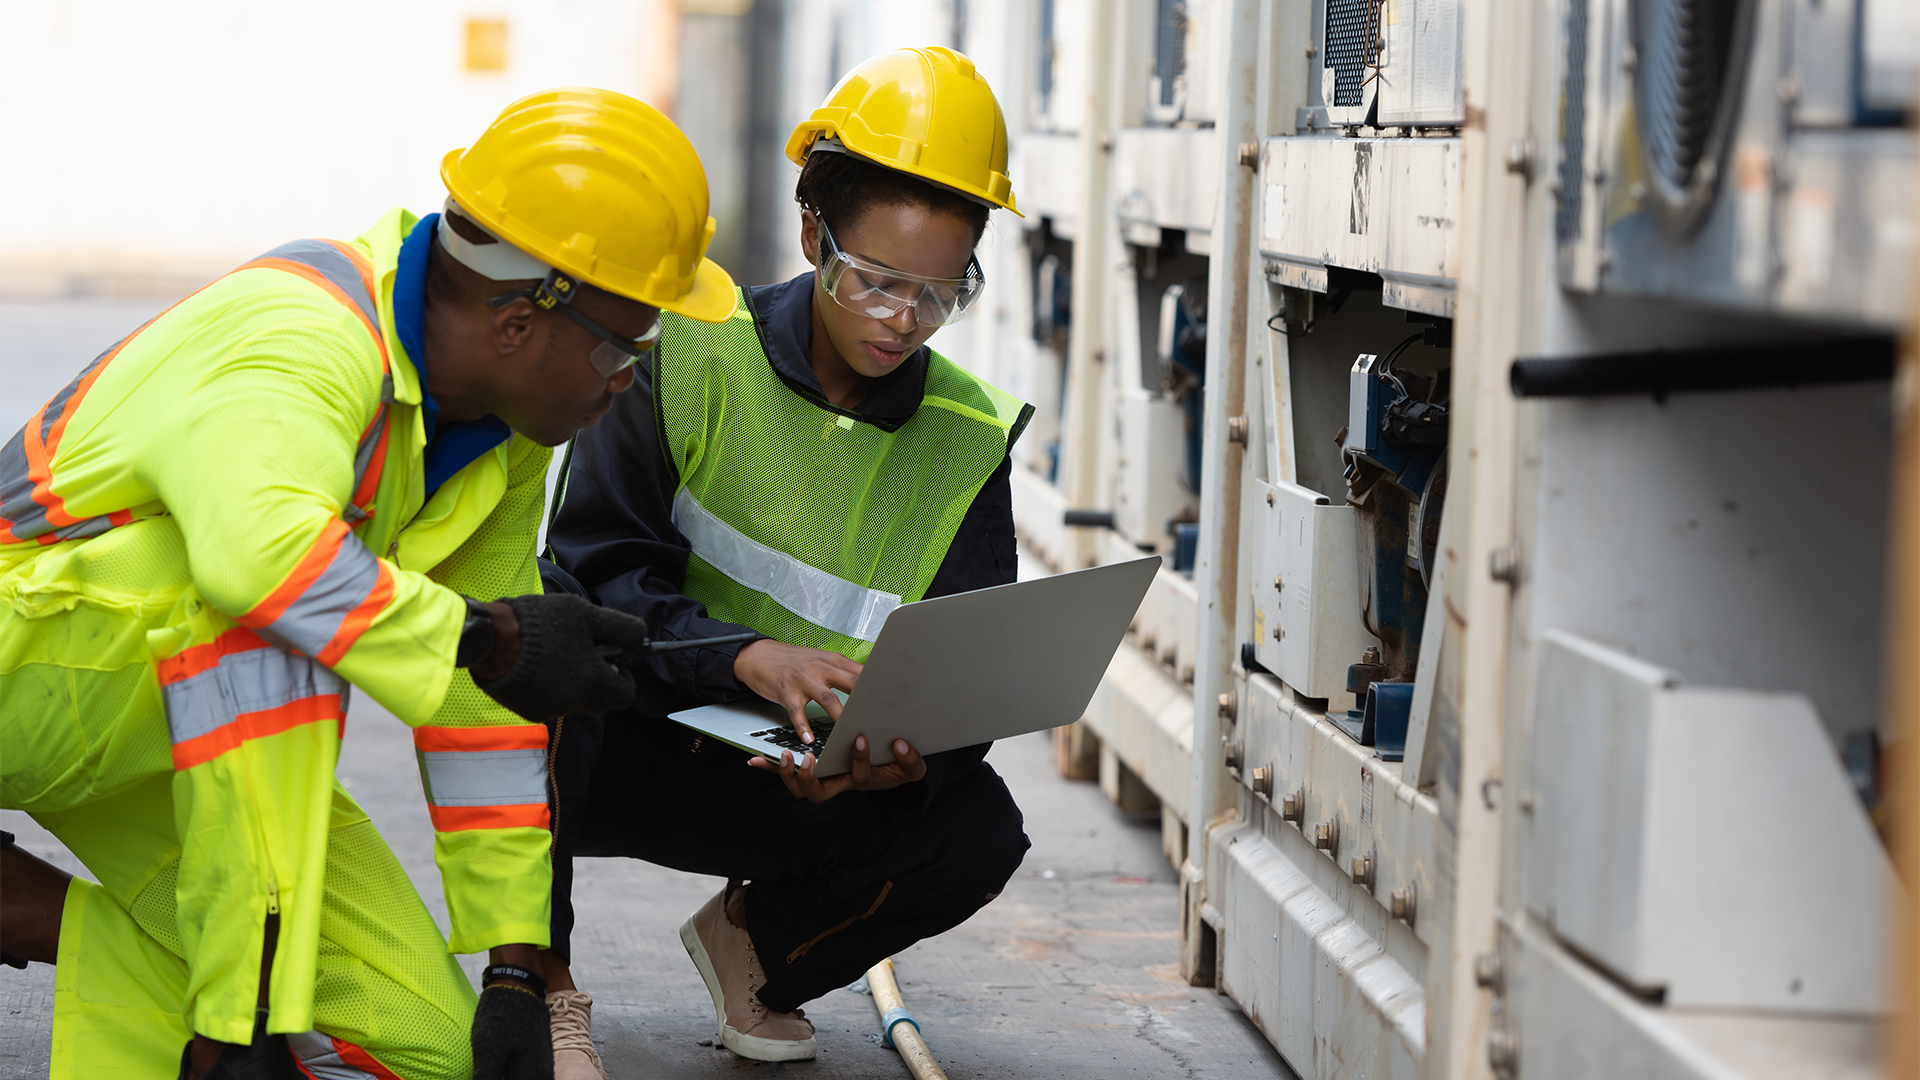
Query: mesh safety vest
pixel 807 524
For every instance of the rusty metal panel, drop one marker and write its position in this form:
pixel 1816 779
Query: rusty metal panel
pixel 1388 206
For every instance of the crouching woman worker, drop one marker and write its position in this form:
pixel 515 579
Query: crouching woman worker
pixel 799 471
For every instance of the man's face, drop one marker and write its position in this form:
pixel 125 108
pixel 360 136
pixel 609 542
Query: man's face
pixel 553 389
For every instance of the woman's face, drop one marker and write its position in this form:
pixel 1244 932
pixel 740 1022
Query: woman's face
pixel 909 238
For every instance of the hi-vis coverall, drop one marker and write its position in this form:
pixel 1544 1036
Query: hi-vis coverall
pixel 203 540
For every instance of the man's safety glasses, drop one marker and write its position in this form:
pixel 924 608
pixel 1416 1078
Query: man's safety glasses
pixel 878 292
pixel 614 354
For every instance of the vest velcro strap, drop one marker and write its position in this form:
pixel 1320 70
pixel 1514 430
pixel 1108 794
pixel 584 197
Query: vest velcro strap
pixel 822 599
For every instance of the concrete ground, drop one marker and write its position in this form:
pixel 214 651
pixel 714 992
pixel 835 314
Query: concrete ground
pixel 1071 973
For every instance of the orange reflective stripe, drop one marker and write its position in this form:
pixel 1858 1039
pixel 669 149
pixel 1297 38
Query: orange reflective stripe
pixel 300 269
pixel 501 737
pixel 359 618
pixel 330 1057
pixel 367 483
pixel 329 598
pixel 461 818
pixel 191 662
pixel 259 725
pixel 311 565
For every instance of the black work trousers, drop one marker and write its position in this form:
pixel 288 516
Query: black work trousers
pixel 833 888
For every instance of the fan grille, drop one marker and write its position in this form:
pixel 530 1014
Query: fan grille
pixel 1685 52
pixel 1349 26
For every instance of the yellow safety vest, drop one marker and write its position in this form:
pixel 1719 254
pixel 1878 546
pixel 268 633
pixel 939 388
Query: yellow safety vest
pixel 807 524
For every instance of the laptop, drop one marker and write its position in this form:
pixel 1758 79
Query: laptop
pixel 959 670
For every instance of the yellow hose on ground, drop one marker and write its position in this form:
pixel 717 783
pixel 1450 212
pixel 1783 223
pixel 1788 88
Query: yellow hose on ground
pixel 901 1030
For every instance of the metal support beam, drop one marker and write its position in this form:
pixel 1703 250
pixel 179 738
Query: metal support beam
pixel 1080 448
pixel 1498 273
pixel 1232 272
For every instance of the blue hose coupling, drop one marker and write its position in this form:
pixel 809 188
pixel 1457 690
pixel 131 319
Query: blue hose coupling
pixel 896 1016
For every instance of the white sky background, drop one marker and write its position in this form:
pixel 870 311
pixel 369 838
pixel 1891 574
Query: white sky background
pixel 212 130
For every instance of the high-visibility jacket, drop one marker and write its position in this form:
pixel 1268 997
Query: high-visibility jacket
pixel 805 523
pixel 258 450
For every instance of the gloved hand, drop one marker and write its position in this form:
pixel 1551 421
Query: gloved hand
pixel 511 1036
pixel 572 658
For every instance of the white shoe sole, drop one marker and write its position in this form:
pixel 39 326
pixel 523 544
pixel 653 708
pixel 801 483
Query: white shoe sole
pixel 747 1046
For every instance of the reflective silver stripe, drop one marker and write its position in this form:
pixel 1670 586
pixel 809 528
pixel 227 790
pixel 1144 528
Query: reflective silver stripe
pixel 333 265
pixel 243 682
pixel 826 601
pixel 311 621
pixel 322 1059
pixel 484 777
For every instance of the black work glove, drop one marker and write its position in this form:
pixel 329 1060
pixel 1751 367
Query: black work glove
pixel 573 655
pixel 512 1039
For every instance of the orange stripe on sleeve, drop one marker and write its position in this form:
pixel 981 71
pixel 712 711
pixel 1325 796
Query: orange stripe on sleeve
pixel 461 818
pixel 358 619
pixel 311 566
pixel 360 1059
pixel 300 269
pixel 191 662
pixel 259 725
pixel 502 737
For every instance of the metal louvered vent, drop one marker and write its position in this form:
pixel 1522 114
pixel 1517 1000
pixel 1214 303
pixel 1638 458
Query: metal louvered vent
pixel 1169 46
pixel 1690 59
pixel 1349 48
pixel 1573 125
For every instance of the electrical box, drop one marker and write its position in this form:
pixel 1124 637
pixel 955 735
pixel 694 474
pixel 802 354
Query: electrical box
pixel 1150 459
pixel 1704 845
pixel 1306 590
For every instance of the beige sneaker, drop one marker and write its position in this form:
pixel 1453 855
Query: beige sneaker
pixel 574 1058
pixel 724 954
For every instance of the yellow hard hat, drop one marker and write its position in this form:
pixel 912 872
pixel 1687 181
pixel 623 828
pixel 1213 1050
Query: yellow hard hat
pixel 925 112
pixel 602 187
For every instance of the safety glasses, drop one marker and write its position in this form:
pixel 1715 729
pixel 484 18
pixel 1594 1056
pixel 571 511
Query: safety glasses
pixel 614 354
pixel 878 292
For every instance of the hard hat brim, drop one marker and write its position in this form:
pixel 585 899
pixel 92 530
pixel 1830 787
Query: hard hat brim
pixel 713 298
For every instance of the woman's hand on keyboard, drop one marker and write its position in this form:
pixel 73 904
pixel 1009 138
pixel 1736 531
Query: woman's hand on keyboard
pixel 906 767
pixel 793 675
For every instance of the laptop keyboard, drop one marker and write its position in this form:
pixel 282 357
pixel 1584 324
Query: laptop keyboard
pixel 788 739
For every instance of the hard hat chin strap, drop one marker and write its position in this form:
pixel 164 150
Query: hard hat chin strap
pixel 496 260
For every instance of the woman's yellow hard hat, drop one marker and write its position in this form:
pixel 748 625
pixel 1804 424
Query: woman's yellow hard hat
pixel 601 187
pixel 925 112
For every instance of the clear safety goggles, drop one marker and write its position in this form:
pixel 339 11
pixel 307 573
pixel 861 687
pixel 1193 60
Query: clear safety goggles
pixel 614 354
pixel 878 292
